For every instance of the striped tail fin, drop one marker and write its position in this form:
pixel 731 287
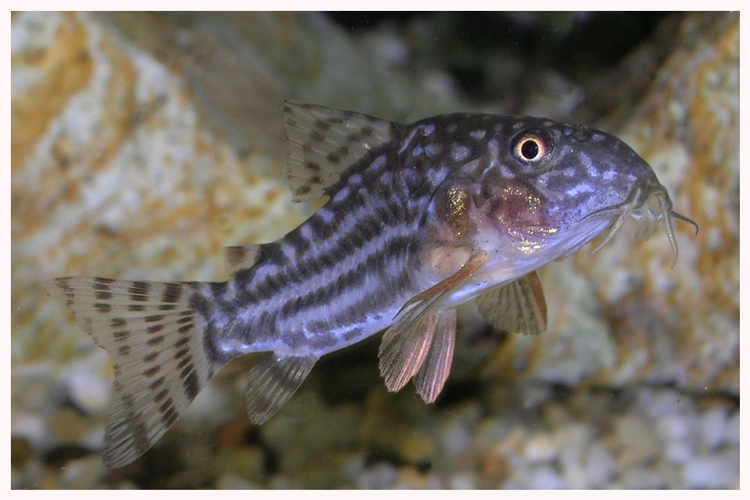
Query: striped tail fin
pixel 155 338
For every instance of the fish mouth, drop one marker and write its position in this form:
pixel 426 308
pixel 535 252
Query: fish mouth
pixel 648 206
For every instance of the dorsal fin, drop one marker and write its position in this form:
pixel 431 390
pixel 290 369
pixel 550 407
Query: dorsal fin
pixel 324 142
pixel 238 258
pixel 517 307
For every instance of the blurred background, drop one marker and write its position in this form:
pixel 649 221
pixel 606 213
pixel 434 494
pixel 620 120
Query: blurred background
pixel 142 144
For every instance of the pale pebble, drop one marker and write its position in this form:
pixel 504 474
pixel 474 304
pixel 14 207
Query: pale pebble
pixel 455 437
pixel 720 470
pixel 490 430
pixel 641 477
pixel 84 473
pixel 732 429
pixel 679 452
pixel 435 481
pixel 380 476
pixel 29 426
pixel 233 481
pixel 600 466
pixel 462 481
pixel 539 448
pixel 535 395
pixel 638 441
pixel 672 474
pixel 574 475
pixel 675 427
pixel 571 441
pixel 713 427
pixel 210 407
pixel 575 434
pixel 545 478
pixel 89 392
pixel 658 404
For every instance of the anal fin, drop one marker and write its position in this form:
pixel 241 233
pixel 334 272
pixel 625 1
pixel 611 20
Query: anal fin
pixel 272 382
pixel 516 307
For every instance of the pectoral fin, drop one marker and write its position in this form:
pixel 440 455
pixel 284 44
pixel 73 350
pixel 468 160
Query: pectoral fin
pixel 437 365
pixel 410 341
pixel 516 307
pixel 405 346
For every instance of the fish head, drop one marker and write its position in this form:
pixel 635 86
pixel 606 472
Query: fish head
pixel 552 187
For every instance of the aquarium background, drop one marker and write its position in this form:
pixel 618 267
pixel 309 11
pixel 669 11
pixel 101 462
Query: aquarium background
pixel 144 143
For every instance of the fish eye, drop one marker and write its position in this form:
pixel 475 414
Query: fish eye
pixel 532 146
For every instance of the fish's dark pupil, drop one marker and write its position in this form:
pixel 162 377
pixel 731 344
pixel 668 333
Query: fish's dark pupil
pixel 529 149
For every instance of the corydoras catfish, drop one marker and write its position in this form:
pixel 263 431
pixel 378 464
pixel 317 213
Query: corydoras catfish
pixel 419 219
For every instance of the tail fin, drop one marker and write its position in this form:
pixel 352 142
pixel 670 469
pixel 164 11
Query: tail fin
pixel 156 342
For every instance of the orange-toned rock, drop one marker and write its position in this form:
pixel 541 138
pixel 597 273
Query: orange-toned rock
pixel 142 144
pixel 624 316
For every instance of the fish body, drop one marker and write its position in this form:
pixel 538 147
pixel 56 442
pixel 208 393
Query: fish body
pixel 420 218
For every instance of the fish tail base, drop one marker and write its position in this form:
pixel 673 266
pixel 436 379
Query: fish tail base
pixel 157 342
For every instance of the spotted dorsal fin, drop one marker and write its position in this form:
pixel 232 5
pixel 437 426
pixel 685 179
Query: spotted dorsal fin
pixel 238 258
pixel 324 142
pixel 516 307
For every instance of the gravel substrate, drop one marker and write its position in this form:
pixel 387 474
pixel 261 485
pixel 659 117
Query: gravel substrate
pixel 487 435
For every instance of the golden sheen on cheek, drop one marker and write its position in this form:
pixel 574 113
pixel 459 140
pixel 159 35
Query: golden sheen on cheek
pixel 518 206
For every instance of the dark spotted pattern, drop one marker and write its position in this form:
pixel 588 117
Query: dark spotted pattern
pixel 172 292
pixel 158 352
